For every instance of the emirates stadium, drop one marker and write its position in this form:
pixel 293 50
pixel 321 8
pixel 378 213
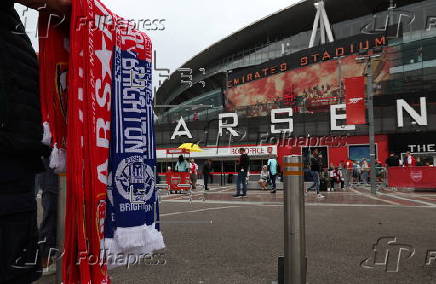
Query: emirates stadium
pixel 277 86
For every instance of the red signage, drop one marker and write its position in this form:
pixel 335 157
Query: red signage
pixel 413 177
pixel 355 100
pixel 177 151
pixel 254 150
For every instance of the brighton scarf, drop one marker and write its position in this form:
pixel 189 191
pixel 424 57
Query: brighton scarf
pixel 132 204
pixel 110 142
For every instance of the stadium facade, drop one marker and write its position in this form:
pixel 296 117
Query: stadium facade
pixel 281 97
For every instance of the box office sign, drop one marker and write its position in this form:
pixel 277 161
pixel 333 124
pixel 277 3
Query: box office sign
pixel 220 152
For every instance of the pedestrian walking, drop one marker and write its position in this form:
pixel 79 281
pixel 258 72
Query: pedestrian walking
pixel 273 169
pixel 242 167
pixel 343 174
pixel 207 169
pixel 193 172
pixel 357 170
pixel 315 167
pixel 365 171
pixel 181 165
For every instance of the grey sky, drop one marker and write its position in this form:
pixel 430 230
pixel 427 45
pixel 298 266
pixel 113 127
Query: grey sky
pixel 190 25
pixel 193 25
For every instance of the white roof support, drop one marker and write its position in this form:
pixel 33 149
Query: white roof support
pixel 322 21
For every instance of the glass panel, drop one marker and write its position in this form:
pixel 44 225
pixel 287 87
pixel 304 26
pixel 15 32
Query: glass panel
pixel 255 165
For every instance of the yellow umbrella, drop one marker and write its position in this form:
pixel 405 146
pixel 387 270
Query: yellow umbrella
pixel 196 148
pixel 191 147
pixel 186 146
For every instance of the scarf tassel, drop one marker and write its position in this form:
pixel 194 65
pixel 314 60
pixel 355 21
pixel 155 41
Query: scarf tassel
pixel 136 241
pixel 58 160
pixel 46 138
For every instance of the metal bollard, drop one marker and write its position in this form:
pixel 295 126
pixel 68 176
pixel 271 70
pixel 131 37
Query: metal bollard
pixel 294 218
pixel 62 201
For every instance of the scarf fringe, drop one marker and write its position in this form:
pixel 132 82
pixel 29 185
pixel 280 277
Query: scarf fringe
pixel 46 138
pixel 58 160
pixel 135 241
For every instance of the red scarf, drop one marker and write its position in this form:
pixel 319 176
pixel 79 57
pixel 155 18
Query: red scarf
pixel 53 58
pixel 87 137
pixel 88 142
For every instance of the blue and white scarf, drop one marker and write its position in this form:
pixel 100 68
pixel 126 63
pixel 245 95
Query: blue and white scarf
pixel 132 206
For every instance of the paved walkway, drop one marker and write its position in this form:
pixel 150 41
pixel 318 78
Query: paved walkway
pixel 356 196
pixel 214 238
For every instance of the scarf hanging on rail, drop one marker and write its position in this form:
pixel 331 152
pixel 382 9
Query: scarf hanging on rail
pixel 132 199
pixel 110 142
pixel 54 36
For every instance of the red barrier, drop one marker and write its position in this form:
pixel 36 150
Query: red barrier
pixel 175 179
pixel 414 177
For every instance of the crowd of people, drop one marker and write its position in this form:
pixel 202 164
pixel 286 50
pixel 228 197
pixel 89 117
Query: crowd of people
pixel 355 172
pixel 340 176
pixel 335 177
pixel 267 181
pixel 408 161
pixel 269 174
pixel 189 166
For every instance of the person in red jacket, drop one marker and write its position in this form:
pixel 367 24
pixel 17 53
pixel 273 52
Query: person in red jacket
pixel 409 160
pixel 349 173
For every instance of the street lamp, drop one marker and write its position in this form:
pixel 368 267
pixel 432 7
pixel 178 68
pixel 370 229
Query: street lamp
pixel 365 57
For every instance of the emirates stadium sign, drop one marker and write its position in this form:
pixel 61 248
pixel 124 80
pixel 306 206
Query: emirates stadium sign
pixel 307 57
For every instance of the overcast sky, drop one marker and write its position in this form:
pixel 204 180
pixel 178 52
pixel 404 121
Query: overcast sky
pixel 193 25
pixel 190 25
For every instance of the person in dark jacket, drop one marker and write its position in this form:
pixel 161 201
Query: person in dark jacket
pixel 20 145
pixel 242 167
pixel 315 168
pixel 393 160
pixel 207 169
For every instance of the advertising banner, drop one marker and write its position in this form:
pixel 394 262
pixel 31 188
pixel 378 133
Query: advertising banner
pixel 310 89
pixel 412 177
pixel 355 100
pixel 308 81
